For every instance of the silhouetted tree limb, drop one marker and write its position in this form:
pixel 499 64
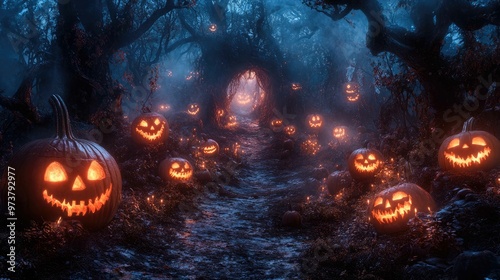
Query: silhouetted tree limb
pixel 420 48
pixel 130 36
pixel 21 102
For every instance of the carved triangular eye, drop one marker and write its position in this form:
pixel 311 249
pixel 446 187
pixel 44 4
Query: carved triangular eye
pixel 143 123
pixel 55 173
pixel 371 157
pixel 186 165
pixel 359 157
pixel 175 165
pixel 378 201
pixel 95 172
pixel 454 143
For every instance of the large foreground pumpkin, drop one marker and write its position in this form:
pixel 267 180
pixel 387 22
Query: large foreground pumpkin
pixel 65 177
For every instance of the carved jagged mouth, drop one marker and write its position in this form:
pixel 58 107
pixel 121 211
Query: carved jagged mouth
pixel 367 168
pixel 458 161
pixel 389 216
pixel 352 98
pixel 315 125
pixel 209 150
pixel 151 136
pixel 193 111
pixel 180 175
pixel 81 207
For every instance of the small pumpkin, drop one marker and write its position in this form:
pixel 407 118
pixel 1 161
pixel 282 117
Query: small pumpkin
pixel 276 124
pixel 469 150
pixel 292 218
pixel 231 121
pixel 220 113
pixel 364 163
pixel 212 27
pixel 209 148
pixel 337 181
pixel 351 90
pixel 296 86
pixel 315 121
pixel 392 208
pixel 149 128
pixel 193 109
pixel 290 130
pixel 65 177
pixel 244 98
pixel 176 170
pixel 340 132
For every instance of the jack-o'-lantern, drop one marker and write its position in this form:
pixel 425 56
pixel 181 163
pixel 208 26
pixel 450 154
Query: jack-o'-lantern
pixel 364 163
pixel 244 98
pixel 340 132
pixel 164 107
pixel 149 128
pixel 209 148
pixel 276 124
pixel 193 109
pixel 469 150
pixel 296 86
pixel 315 121
pixel 352 91
pixel 176 170
pixel 232 122
pixel 212 27
pixel 220 113
pixel 290 130
pixel 392 208
pixel 66 177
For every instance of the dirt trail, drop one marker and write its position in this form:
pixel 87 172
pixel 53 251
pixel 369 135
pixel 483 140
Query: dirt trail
pixel 234 238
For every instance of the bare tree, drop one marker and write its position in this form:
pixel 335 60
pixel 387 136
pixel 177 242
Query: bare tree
pixel 421 47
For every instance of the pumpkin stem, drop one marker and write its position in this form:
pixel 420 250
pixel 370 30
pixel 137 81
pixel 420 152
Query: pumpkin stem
pixel 62 117
pixel 365 145
pixel 468 124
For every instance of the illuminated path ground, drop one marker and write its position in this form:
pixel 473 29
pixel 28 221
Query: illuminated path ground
pixel 234 236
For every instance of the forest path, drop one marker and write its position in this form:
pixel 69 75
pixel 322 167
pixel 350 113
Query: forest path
pixel 235 237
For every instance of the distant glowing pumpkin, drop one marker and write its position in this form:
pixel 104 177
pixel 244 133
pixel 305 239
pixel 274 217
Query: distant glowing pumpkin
pixel 244 98
pixel 232 122
pixel 209 148
pixel 340 132
pixel 276 124
pixel 315 121
pixel 469 150
pixel 352 91
pixel 212 27
pixel 392 208
pixel 176 170
pixel 290 130
pixel 193 109
pixel 296 86
pixel 149 128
